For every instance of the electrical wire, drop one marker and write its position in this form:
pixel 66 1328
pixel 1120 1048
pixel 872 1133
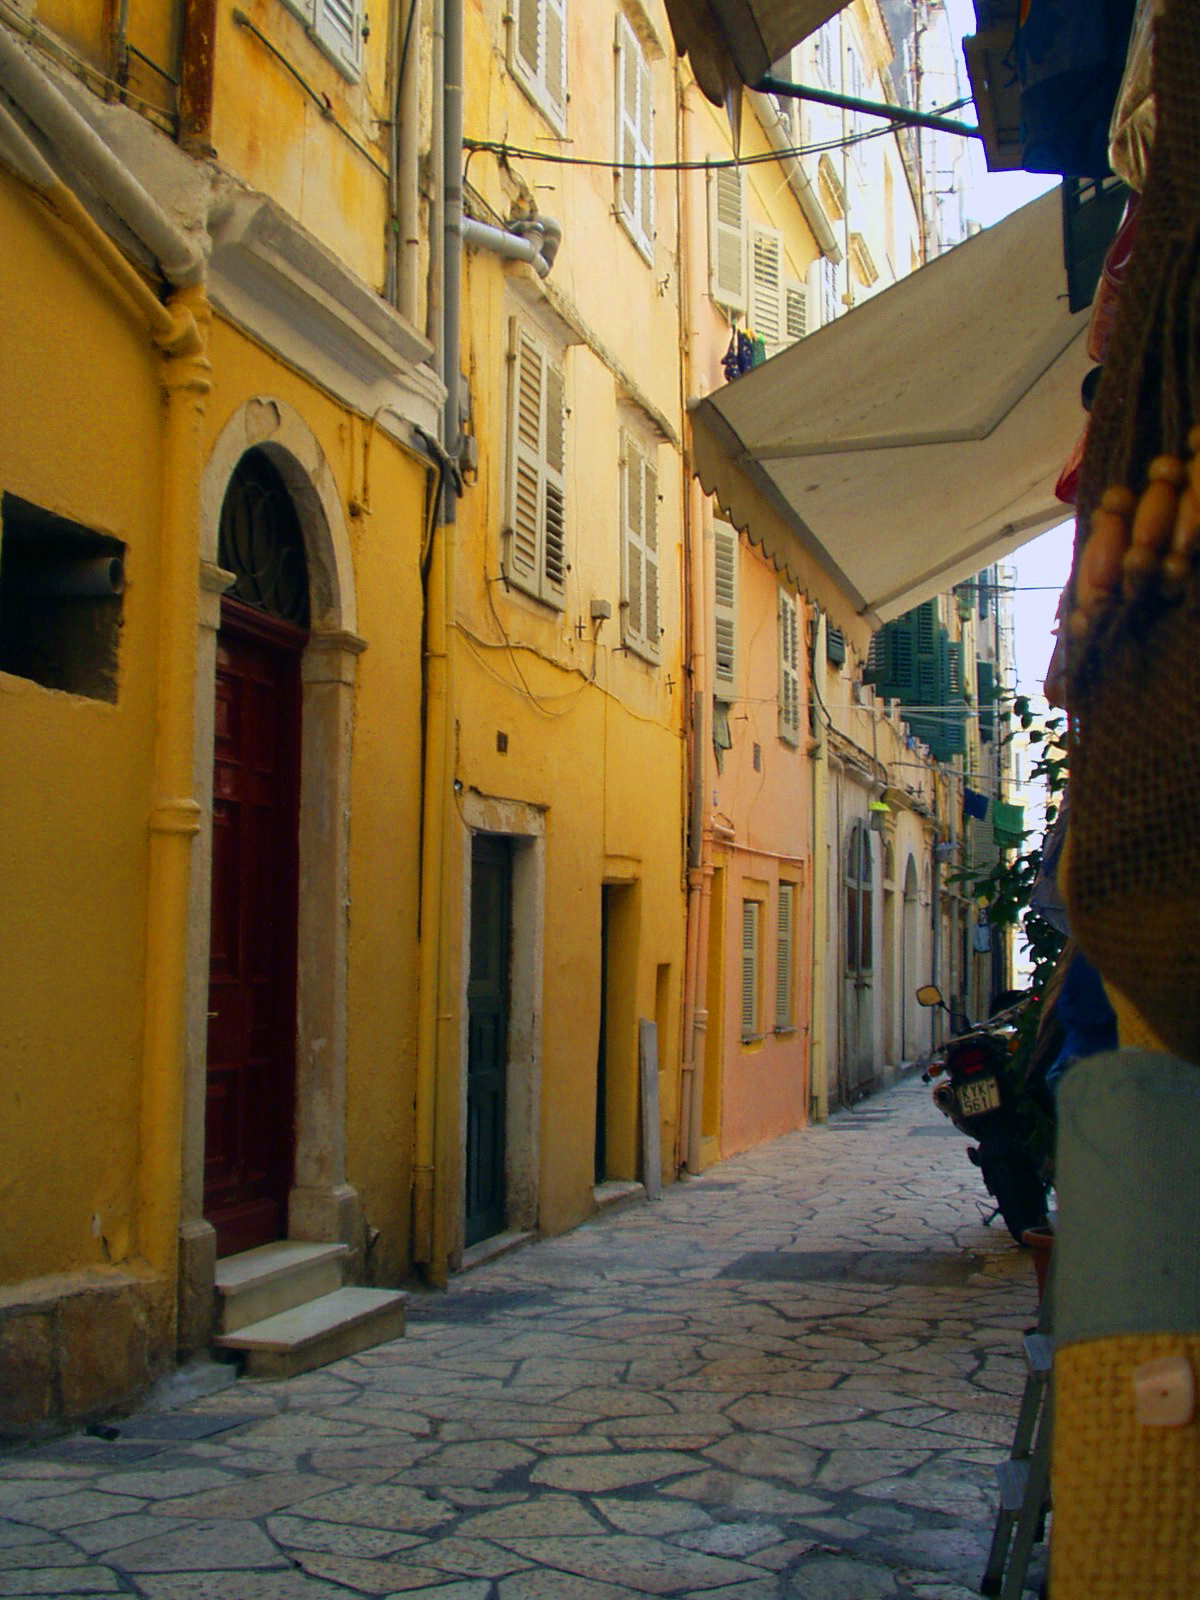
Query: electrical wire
pixel 506 151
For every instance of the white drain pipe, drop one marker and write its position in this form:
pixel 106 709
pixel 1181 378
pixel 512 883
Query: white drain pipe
pixel 535 241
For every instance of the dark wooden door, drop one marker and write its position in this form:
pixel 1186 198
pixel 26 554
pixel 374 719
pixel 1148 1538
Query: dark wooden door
pixel 487 1035
pixel 252 964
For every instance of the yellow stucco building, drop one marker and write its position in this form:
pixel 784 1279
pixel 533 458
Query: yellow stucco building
pixel 210 678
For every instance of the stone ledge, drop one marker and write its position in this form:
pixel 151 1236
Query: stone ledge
pixel 76 1345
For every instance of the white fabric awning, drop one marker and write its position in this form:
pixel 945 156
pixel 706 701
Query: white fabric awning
pixel 911 442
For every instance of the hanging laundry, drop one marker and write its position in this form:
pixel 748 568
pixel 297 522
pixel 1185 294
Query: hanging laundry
pixel 974 805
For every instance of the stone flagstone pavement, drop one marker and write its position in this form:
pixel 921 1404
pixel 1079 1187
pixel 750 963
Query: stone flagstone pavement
pixel 789 1379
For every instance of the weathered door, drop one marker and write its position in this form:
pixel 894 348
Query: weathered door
pixel 252 962
pixel 487 1035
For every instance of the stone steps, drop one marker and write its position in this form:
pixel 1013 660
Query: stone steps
pixel 283 1308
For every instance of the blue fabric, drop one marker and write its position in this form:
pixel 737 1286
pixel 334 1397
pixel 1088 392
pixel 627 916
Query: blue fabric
pixel 1070 57
pixel 974 805
pixel 1088 1021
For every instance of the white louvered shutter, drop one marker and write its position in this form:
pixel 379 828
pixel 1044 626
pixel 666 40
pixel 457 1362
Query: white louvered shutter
pixel 789 669
pixel 634 563
pixel 634 138
pixel 650 536
pixel 784 948
pixel 554 525
pixel 796 311
pixel 527 37
pixel 727 237
pixel 766 287
pixel 535 551
pixel 725 598
pixel 554 46
pixel 338 26
pixel 750 921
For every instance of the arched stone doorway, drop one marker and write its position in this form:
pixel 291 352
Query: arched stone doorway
pixel 271 440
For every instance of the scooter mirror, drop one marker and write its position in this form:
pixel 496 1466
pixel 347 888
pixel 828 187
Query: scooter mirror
pixel 929 995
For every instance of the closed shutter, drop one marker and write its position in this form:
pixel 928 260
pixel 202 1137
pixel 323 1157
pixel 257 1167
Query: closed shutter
pixel 640 569
pixel 725 607
pixel 766 287
pixel 338 25
pixel 727 237
pixel 784 948
pixel 527 37
pixel 535 559
pixel 538 53
pixel 555 48
pixel 554 560
pixel 750 927
pixel 634 138
pixel 789 669
pixel 796 311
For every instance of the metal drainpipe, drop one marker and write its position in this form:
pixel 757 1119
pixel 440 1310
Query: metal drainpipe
pixel 435 1039
pixel 819 1069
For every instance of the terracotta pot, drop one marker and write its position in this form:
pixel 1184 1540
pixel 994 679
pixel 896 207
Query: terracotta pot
pixel 1040 1242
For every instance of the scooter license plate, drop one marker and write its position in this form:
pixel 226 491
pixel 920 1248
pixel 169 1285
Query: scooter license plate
pixel 976 1098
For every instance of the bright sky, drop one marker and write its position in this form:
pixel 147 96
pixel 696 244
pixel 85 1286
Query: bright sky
pixel 1047 560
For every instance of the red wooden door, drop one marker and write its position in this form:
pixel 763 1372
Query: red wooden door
pixel 252 964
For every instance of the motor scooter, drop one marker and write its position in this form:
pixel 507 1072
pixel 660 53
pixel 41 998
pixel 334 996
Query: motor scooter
pixel 975 1095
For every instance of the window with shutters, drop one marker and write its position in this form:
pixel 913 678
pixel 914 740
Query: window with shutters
pixel 789 668
pixel 725 610
pixel 727 237
pixel 785 959
pixel 641 627
pixel 751 935
pixel 537 55
pixel 768 315
pixel 337 28
pixel 535 532
pixel 830 298
pixel 796 311
pixel 634 139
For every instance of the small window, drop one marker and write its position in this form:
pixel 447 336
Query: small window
pixel 537 55
pixel 336 27
pixel 535 536
pixel 830 297
pixel 61 588
pixel 641 628
pixel 635 139
pixel 751 934
pixel 789 669
pixel 785 956
pixel 796 312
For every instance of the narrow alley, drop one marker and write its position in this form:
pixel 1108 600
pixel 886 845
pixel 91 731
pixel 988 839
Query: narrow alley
pixel 789 1379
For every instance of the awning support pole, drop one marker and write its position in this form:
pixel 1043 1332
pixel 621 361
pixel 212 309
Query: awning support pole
pixel 867 108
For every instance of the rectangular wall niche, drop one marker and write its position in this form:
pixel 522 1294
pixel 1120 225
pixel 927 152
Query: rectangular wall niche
pixel 61 588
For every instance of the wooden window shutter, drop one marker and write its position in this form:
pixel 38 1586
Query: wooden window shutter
pixel 523 555
pixel 646 142
pixel 750 932
pixel 554 45
pixel 650 532
pixel 627 120
pixel 634 562
pixel 796 311
pixel 789 669
pixel 535 536
pixel 727 237
pixel 784 948
pixel 554 539
pixel 338 27
pixel 766 287
pixel 527 36
pixel 725 609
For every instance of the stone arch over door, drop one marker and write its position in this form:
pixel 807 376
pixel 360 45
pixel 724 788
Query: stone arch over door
pixel 910 952
pixel 321 1204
